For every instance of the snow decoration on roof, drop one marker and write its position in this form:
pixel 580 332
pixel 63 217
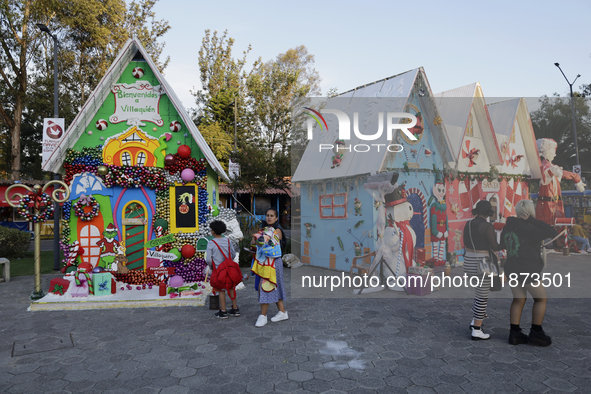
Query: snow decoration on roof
pixel 87 183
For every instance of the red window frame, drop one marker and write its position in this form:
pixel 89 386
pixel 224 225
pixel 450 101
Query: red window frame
pixel 322 207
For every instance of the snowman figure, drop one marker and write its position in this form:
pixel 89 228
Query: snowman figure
pixel 399 212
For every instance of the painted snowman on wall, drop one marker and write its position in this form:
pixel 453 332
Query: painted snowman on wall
pixel 403 238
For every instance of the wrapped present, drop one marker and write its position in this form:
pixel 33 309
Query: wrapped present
pixel 80 290
pixel 420 256
pixel 418 284
pixel 420 270
pixel 101 281
pixel 59 286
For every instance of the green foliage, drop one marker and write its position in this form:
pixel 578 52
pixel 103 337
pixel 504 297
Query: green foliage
pixel 220 142
pixel 554 120
pixel 25 266
pixel 90 35
pixel 13 243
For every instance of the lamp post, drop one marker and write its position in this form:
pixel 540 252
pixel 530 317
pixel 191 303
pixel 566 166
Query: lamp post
pixel 56 210
pixel 33 204
pixel 572 108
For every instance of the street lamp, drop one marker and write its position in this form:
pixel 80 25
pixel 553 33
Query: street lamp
pixel 56 212
pixel 572 107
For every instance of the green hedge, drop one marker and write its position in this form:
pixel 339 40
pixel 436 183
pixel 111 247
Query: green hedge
pixel 13 242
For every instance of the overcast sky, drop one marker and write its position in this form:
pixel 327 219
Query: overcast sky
pixel 510 47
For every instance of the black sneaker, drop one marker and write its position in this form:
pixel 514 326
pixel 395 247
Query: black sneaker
pixel 517 337
pixel 539 338
pixel 221 314
pixel 234 312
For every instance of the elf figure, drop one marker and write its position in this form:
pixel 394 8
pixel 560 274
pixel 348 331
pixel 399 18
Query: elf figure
pixel 357 249
pixel 309 229
pixel 338 146
pixel 438 219
pixel 109 245
pixel 357 205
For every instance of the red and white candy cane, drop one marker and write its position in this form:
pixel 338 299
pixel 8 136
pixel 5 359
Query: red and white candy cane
pixel 159 232
pixel 84 272
pixel 414 190
pixel 72 254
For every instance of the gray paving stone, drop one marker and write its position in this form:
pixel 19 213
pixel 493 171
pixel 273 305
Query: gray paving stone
pixel 344 384
pixel 560 384
pixel 316 385
pixel 288 386
pixel 300 376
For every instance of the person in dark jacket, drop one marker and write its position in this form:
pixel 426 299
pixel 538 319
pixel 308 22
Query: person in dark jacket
pixel 522 236
pixel 479 241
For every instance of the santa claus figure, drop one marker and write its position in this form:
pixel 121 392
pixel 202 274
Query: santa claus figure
pixel 109 245
pixel 438 219
pixel 550 206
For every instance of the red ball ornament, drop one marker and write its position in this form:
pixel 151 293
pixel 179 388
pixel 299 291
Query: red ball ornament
pixel 80 251
pixel 188 251
pixel 184 151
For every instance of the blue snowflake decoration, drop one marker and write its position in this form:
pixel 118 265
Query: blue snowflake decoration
pixel 347 260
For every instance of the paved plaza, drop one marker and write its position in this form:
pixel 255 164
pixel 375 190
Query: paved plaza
pixel 329 345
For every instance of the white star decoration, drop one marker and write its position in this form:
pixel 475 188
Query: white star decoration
pixel 451 189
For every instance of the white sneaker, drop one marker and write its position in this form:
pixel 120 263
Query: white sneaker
pixel 589 250
pixel 583 252
pixel 479 335
pixel 280 316
pixel 261 321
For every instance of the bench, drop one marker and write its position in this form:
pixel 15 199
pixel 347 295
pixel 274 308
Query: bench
pixel 5 263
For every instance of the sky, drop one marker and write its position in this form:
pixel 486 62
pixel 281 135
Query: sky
pixel 510 47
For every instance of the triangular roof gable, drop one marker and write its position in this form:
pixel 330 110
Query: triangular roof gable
pixel 504 114
pixel 316 165
pixel 456 106
pixel 103 90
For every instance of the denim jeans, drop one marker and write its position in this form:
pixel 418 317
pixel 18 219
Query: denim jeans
pixel 582 240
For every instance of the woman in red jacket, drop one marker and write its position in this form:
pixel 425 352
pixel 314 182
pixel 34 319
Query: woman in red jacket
pixel 522 236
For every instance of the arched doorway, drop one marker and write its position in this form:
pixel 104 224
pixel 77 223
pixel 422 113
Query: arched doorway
pixel 134 233
pixel 88 236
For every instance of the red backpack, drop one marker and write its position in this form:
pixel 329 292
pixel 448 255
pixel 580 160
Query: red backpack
pixel 228 275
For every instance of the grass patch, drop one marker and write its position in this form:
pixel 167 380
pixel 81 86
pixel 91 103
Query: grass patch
pixel 25 266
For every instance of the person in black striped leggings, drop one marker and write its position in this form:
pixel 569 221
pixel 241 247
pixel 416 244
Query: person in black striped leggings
pixel 478 243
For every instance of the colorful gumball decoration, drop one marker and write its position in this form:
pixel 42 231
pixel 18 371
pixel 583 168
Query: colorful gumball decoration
pixel 169 160
pixel 138 72
pixel 102 124
pixel 184 151
pixel 188 251
pixel 175 126
pixel 102 170
pixel 176 281
pixel 89 132
pixel 187 175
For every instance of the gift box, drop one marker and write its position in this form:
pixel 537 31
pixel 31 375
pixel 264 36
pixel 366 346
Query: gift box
pixel 101 282
pixel 80 290
pixel 420 255
pixel 418 284
pixel 59 286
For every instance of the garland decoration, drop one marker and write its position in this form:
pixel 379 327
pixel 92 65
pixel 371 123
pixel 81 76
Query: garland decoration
pixel 40 203
pixel 86 201
pixel 492 175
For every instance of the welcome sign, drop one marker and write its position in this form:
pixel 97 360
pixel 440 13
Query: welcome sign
pixel 139 101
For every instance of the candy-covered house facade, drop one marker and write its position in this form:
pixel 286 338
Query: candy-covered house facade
pixel 138 169
pixel 361 192
pixel 483 170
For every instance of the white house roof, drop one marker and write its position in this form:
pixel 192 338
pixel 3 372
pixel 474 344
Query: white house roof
pixel 455 106
pixel 503 115
pixel 101 93
pixel 315 163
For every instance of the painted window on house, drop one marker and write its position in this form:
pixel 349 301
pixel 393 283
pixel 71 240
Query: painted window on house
pixel 126 159
pixel 141 159
pixel 333 206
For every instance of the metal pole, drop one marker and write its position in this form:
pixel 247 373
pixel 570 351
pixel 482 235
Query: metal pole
pixel 56 206
pixel 235 195
pixel 38 292
pixel 572 107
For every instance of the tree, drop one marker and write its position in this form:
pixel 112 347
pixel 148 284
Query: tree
pixel 19 40
pixel 554 120
pixel 90 32
pixel 222 85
